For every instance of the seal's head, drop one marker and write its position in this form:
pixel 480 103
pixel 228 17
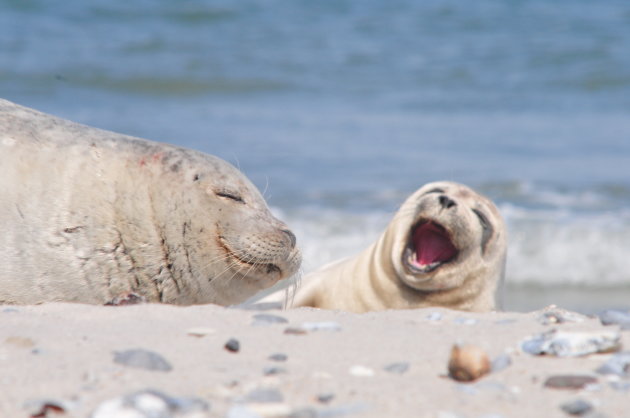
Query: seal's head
pixel 445 234
pixel 231 243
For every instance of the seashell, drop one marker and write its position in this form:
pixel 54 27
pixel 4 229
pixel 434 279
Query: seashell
pixel 468 363
pixel 572 344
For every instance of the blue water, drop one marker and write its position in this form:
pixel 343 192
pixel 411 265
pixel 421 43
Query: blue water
pixel 338 110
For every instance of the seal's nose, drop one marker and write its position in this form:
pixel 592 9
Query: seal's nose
pixel 446 202
pixel 291 236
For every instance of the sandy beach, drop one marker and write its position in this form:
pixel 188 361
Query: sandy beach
pixel 77 360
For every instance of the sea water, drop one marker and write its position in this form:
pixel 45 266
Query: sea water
pixel 338 110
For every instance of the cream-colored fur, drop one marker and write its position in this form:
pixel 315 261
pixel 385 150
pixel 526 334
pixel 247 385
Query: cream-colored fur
pixel 88 215
pixel 377 278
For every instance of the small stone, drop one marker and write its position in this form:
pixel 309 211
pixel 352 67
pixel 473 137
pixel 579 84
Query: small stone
pixel 620 386
pixel 142 359
pixel 553 315
pixel 264 395
pixel 464 321
pixel 618 364
pixel 272 371
pixel 267 319
pixel 21 342
pixel 615 317
pixel 468 363
pixel 569 381
pixel 152 403
pixel 233 345
pixel 501 362
pixel 321 326
pixel 434 316
pixel 325 397
pixel 278 357
pixel 295 331
pixel 398 368
pixel 361 371
pixel 200 332
pixel 241 411
pixel 577 407
pixel 308 413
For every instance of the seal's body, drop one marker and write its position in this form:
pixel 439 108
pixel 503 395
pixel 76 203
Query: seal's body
pixel 446 246
pixel 88 215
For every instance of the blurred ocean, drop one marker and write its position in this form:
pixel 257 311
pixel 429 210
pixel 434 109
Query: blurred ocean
pixel 339 109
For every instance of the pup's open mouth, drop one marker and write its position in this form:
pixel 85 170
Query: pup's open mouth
pixel 429 247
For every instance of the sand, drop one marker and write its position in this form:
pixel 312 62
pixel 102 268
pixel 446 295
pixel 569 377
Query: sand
pixel 74 358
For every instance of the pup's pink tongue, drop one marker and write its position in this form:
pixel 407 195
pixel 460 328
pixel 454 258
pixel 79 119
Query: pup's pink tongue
pixel 432 244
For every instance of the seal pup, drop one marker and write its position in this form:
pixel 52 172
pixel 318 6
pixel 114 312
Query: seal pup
pixel 89 215
pixel 446 246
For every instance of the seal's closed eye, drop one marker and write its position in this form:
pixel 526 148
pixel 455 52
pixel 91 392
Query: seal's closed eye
pixel 228 194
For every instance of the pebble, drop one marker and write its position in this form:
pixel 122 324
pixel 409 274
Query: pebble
pixel 464 321
pixel 620 386
pixel 295 331
pixel 325 397
pixel 398 368
pixel 577 407
pixel 468 363
pixel 151 403
pixel 321 326
pixel 615 317
pixel 571 344
pixel 142 359
pixel 242 411
pixel 264 395
pixel 278 357
pixel 272 371
pixel 200 332
pixel 268 319
pixel 570 381
pixel 501 362
pixel 618 364
pixel 434 316
pixel 553 315
pixel 361 371
pixel 233 345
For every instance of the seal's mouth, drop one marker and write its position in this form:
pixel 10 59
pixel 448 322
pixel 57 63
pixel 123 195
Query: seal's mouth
pixel 429 247
pixel 250 263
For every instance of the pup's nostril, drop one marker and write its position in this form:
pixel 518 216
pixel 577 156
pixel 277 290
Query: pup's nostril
pixel 446 202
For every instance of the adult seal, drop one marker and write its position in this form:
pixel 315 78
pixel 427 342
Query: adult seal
pixel 446 246
pixel 89 215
